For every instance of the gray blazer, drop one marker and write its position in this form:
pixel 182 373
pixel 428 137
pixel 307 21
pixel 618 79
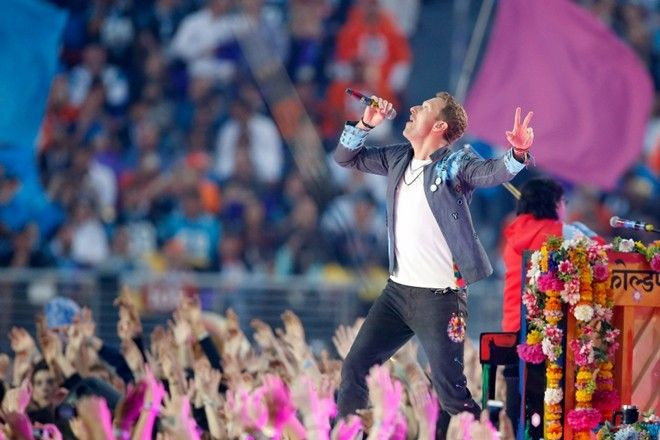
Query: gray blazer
pixel 448 183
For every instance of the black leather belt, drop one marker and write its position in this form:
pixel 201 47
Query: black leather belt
pixel 445 291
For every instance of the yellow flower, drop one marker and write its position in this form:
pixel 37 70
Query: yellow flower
pixel 534 337
pixel 544 259
pixel 584 377
pixel 640 246
pixel 582 396
pixel 550 416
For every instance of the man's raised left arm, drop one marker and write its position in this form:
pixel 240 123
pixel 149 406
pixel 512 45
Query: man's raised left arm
pixel 479 173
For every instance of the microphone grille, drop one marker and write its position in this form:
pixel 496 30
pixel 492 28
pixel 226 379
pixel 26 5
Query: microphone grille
pixel 391 114
pixel 614 221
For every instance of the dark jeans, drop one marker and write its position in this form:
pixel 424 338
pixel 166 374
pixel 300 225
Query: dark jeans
pixel 399 313
pixel 512 379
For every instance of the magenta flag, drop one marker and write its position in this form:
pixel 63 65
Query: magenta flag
pixel 590 94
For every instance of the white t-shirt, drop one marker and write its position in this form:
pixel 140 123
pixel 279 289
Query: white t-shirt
pixel 89 244
pixel 198 36
pixel 266 152
pixel 422 253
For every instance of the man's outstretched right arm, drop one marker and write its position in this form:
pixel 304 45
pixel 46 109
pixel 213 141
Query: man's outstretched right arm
pixel 352 153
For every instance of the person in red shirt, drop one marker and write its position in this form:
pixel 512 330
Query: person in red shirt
pixel 539 215
pixel 537 218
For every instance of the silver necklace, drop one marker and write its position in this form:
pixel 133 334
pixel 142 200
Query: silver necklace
pixel 421 167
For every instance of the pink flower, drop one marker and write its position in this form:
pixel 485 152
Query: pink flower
pixel 612 349
pixel 583 419
pixel 557 314
pixel 601 272
pixel 655 263
pixel 573 286
pixel 553 333
pixel 605 401
pixel 531 304
pixel 532 354
pixel 566 267
pixel 550 349
pixel 571 298
pixel 583 353
pixel 548 281
pixel 603 313
pixel 611 335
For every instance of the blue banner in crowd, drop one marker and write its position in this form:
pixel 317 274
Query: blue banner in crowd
pixel 30 34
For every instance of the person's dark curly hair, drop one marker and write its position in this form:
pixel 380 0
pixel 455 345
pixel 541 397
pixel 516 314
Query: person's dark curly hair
pixel 540 198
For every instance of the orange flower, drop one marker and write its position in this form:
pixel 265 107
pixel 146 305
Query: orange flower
pixel 581 435
pixel 553 372
pixel 553 304
pixel 552 294
pixel 553 409
pixel 553 427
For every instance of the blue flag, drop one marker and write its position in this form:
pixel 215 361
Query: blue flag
pixel 30 35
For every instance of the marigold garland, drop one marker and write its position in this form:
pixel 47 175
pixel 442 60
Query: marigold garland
pixel 573 272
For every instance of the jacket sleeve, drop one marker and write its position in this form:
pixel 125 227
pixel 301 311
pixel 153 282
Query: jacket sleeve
pixel 477 172
pixel 352 153
pixel 211 352
pixel 114 357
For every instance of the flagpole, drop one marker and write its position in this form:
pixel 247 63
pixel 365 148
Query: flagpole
pixel 473 49
pixel 470 62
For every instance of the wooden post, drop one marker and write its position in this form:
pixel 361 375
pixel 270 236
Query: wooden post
pixel 635 285
pixel 624 318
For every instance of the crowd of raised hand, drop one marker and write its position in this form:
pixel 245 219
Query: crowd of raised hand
pixel 67 383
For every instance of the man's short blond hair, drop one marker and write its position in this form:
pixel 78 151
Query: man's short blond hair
pixel 454 115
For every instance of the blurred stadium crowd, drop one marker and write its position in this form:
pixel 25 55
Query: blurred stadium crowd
pixel 158 152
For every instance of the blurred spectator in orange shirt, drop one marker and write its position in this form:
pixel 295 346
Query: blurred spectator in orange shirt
pixel 371 35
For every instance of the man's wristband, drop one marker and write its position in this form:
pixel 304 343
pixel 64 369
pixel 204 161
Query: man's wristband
pixel 370 127
pixel 520 154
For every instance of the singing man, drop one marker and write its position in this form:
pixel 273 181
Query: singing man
pixel 434 251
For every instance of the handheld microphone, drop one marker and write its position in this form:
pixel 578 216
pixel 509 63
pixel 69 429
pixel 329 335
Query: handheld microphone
pixel 617 222
pixel 370 102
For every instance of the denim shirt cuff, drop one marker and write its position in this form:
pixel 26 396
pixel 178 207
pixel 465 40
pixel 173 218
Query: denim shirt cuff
pixel 352 137
pixel 512 164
